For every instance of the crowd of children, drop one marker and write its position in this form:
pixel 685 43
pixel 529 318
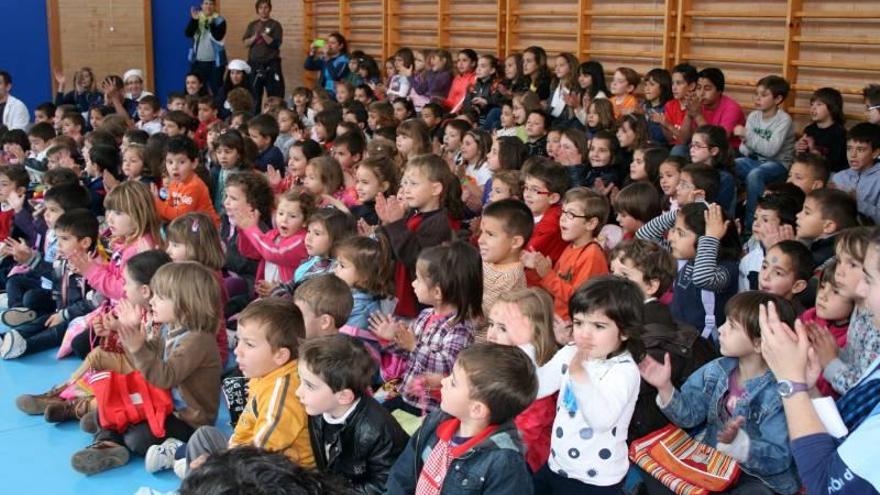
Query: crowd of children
pixel 462 275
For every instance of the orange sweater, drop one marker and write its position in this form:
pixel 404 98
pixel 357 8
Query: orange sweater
pixel 184 197
pixel 629 104
pixel 575 266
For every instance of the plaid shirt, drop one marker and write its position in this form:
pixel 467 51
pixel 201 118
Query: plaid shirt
pixel 438 342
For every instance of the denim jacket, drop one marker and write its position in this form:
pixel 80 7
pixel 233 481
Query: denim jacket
pixel 701 402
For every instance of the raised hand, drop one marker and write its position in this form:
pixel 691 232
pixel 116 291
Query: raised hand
pixel 576 369
pixel 390 209
pixel 19 249
pixel 716 225
pixel 80 263
pixel 658 375
pixel 785 351
pixel 60 79
pixel 273 175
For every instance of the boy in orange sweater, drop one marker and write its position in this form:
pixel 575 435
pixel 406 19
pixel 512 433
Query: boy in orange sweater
pixel 186 192
pixel 584 212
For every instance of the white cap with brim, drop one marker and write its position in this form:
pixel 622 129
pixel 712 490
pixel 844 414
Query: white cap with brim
pixel 240 65
pixel 133 74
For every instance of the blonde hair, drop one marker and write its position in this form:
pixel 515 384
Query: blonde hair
pixel 197 232
pixel 330 172
pixel 195 293
pixel 536 305
pixel 417 130
pixel 135 200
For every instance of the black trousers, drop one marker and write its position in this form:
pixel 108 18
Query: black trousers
pixel 268 77
pixel 138 438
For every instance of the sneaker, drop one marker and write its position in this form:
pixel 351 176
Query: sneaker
pixel 13 345
pixel 36 404
pixel 89 422
pixel 161 457
pixel 4 301
pixel 16 317
pixel 67 410
pixel 180 468
pixel 99 456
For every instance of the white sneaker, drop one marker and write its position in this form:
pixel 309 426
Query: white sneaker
pixel 13 345
pixel 180 468
pixel 161 457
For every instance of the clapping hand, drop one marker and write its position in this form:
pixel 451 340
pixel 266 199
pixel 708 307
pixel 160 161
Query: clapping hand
pixel 537 261
pixel 390 209
pixel 658 375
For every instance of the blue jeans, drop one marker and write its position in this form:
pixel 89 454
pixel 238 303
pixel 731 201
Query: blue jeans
pixel 756 175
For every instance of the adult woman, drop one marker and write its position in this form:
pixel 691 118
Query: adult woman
pixel 207 56
pixel 84 94
pixel 263 39
pixel 331 62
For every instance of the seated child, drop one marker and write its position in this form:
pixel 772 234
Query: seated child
pixel 826 212
pixel 185 192
pixel 636 205
pixel 263 131
pixel 725 395
pixel 826 135
pixel 351 434
pixel 472 443
pixel 373 176
pixel 786 272
pixel 775 220
pixel 269 336
pixel 862 179
pixel 325 302
pixel 603 171
pixel 537 124
pixel 505 227
pixel 809 172
pixel 506 184
pixel 584 212
pixel 544 184
pixel 365 265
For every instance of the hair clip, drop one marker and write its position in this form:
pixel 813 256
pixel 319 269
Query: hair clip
pixel 195 225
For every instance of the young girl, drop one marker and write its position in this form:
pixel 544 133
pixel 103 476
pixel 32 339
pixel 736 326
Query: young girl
pixel 300 153
pixel 412 139
pixel 433 84
pixel 506 154
pixel 564 82
pixel 572 155
pixel 325 127
pixel 373 176
pixel 193 237
pixel 234 154
pixel 735 398
pixel 645 165
pixel 453 134
pixel 380 114
pixel 669 175
pixel 448 279
pixel 598 383
pixel 524 319
pixel 623 85
pixel 507 119
pixel 706 244
pixel 432 196
pixel 600 117
pixel 536 72
pixel 658 91
pixel 403 109
pixel 474 149
pixel 465 63
pixel 182 358
pixel 324 179
pixel 365 265
pixel 591 78
pixel 826 135
pixel 710 146
pixel 302 105
pixel 282 249
pixel 480 95
pixel 133 165
pixel 506 184
pixel 399 83
pixel 603 173
pixel 290 130
pixel 636 204
pixel 632 134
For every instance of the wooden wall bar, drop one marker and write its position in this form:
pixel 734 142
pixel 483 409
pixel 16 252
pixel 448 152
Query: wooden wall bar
pixel 812 43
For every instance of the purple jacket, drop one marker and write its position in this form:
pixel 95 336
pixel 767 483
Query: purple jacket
pixel 432 84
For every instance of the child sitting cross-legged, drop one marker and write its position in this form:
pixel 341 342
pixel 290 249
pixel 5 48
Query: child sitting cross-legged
pixel 471 444
pixel 351 434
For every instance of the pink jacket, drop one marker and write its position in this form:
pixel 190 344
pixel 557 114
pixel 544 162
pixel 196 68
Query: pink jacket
pixel 285 252
pixel 108 278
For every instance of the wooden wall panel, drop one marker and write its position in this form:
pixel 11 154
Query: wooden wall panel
pixel 115 30
pixel 412 23
pixel 623 33
pixel 364 26
pixel 551 24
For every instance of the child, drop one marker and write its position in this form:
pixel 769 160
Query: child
pixel 473 438
pixel 76 231
pixel 326 228
pixel 413 138
pixel 724 394
pixel 623 84
pixel 636 205
pixel 767 142
pixel 263 131
pixel 871 95
pixel 207 115
pixel 480 95
pixel 16 215
pixel 185 191
pixel 300 153
pixel 400 82
pixel 432 196
pixel 677 124
pixel 325 302
pixel 365 265
pixel 553 137
pixel 584 212
pixel 710 146
pixel 603 173
pixel 544 184
pixel 290 130
pixel 808 171
pixel 474 147
pixel 505 228
pixel 600 116
pixel 324 130
pixel 351 434
pixel 826 212
pixel 325 179
pixel 598 383
pixel 715 107
pixel 563 83
pixel 670 174
pixel 775 220
pixel 524 319
pixel 373 176
pixel 862 179
pixel 537 124
pixel 572 153
pixel 465 65
pixel 453 135
pixel 509 125
pixel 269 335
pixel 786 271
pixel 826 135
pixel 148 115
pixel 133 165
pixel 645 165
pixel 232 157
pixel 632 134
pixel 448 280
pixel 190 367
pixel 591 79
pixel 506 184
pixel 177 123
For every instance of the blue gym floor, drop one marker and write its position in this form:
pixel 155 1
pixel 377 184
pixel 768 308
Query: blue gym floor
pixel 35 455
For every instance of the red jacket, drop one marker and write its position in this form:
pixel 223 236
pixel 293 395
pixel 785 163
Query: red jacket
pixel 547 240
pixel 534 425
pixel 458 91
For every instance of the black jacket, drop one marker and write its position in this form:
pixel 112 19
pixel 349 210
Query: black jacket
pixel 364 449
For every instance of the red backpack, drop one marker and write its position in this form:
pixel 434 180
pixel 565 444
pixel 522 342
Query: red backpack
pixel 129 399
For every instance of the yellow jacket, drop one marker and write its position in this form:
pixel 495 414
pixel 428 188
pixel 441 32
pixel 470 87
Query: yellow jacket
pixel 274 419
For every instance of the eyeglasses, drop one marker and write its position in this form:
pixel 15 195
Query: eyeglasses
pixel 684 185
pixel 570 215
pixel 700 146
pixel 535 190
pixel 868 108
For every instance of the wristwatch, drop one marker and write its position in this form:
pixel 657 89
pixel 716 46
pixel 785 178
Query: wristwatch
pixel 787 388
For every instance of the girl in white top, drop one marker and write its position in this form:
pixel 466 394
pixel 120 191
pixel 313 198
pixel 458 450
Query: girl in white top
pixel 598 382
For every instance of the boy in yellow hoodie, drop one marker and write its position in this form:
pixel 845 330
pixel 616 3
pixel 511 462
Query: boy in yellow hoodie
pixel 269 331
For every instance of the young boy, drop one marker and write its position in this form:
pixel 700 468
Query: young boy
pixel 808 171
pixel 584 212
pixel 148 115
pixel 352 435
pixel 471 443
pixel 77 233
pixel 544 184
pixel 269 332
pixel 186 192
pixel 862 179
pixel 356 113
pixel 825 213
pixel 263 131
pixel 677 124
pixel 72 125
pixel 775 220
pixel 176 102
pixel 348 149
pixel 871 94
pixel 45 112
pixel 60 155
pixel 537 123
pixel 786 271
pixel 505 228
pixel 767 142
pixel 177 123
pixel 16 215
pixel 432 114
pixel 325 302
pixel 207 115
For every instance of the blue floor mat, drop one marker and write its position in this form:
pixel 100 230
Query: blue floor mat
pixel 36 455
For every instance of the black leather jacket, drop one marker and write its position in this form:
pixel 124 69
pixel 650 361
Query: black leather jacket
pixel 364 449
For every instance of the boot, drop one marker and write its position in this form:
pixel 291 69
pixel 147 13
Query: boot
pixel 36 404
pixel 67 410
